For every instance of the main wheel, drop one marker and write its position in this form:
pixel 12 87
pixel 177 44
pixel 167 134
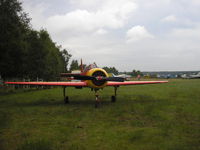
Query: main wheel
pixel 66 100
pixel 96 104
pixel 113 99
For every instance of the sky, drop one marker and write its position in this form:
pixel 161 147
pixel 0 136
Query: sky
pixel 156 35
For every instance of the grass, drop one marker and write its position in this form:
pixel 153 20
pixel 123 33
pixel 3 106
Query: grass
pixel 145 117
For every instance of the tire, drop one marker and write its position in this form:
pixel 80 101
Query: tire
pixel 113 99
pixel 66 100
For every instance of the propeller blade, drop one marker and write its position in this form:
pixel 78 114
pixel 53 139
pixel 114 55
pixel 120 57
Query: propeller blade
pixel 116 79
pixel 84 77
pixel 77 76
pixel 68 74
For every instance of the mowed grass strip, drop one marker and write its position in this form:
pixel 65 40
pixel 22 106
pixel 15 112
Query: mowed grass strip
pixel 145 117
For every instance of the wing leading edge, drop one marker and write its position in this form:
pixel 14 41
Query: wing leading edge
pixel 83 84
pixel 134 83
pixel 49 83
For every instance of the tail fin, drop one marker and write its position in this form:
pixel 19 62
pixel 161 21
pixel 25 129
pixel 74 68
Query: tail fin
pixel 81 66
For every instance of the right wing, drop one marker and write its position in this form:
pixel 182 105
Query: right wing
pixel 134 83
pixel 75 84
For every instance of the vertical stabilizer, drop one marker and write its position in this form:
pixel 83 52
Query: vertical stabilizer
pixel 81 66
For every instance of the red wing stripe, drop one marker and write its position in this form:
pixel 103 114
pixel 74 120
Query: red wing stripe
pixel 134 83
pixel 84 83
pixel 49 83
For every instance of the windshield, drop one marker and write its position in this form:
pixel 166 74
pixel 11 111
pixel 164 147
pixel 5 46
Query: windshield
pixel 91 66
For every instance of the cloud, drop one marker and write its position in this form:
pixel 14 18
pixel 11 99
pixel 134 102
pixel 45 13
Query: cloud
pixel 101 32
pixel 170 18
pixel 37 16
pixel 111 15
pixel 196 2
pixel 190 33
pixel 86 4
pixel 137 33
pixel 119 32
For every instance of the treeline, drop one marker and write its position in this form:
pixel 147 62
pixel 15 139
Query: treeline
pixel 111 70
pixel 135 73
pixel 25 52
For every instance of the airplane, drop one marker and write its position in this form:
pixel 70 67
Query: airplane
pixel 125 76
pixel 192 76
pixel 93 77
pixel 184 76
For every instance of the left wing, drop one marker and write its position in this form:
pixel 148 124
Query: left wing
pixel 49 83
pixel 134 83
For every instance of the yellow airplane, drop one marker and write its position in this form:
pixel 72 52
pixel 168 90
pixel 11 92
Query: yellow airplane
pixel 92 77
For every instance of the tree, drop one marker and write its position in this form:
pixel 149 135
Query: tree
pixel 135 73
pixel 139 72
pixel 54 62
pixel 74 65
pixel 66 57
pixel 14 24
pixel 25 52
pixel 35 56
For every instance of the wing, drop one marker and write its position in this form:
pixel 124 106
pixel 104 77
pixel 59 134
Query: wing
pixel 49 83
pixel 134 83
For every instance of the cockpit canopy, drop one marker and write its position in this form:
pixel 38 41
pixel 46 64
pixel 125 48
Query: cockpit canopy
pixel 91 66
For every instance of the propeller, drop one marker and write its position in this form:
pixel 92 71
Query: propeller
pixel 99 78
pixel 116 79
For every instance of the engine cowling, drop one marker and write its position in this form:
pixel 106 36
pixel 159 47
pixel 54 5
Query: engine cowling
pixel 97 72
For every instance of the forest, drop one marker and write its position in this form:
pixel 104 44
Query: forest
pixel 25 52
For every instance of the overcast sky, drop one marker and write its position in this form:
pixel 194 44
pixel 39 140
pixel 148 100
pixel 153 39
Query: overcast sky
pixel 147 35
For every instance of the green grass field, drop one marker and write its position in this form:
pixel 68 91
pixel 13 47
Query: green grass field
pixel 145 117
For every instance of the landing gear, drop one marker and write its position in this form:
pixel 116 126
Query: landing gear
pixel 97 100
pixel 66 98
pixel 113 98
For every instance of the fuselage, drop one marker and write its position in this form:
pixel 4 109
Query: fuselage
pixel 98 82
